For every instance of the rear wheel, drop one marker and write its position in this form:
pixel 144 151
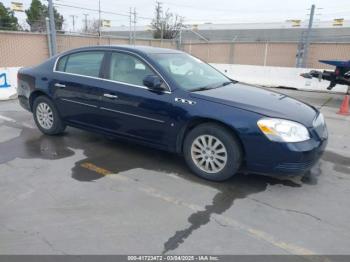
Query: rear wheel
pixel 212 152
pixel 46 116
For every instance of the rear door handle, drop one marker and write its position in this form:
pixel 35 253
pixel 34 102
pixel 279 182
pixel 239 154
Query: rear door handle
pixel 59 85
pixel 110 96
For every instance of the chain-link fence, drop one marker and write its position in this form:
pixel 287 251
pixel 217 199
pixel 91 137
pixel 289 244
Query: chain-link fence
pixel 266 53
pixel 25 49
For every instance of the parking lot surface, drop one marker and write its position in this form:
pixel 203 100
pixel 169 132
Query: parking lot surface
pixel 82 193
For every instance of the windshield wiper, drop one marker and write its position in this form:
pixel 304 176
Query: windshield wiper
pixel 203 88
pixel 226 83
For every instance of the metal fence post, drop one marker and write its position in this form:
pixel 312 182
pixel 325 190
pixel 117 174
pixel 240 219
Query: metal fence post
pixel 208 51
pixel 232 49
pixel 266 50
pixel 180 40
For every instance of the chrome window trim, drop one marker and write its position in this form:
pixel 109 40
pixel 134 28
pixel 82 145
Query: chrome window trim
pixel 77 102
pixel 109 80
pixel 129 114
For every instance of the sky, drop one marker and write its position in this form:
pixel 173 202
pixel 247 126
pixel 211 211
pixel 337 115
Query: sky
pixel 195 11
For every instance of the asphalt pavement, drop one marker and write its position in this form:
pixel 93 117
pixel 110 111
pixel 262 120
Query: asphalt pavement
pixel 82 193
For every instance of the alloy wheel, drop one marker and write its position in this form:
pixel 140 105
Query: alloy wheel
pixel 209 153
pixel 44 115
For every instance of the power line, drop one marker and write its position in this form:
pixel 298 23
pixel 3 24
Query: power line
pixel 97 10
pixel 230 10
pixel 69 4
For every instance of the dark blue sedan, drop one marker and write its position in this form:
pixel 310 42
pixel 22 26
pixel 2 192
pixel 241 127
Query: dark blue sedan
pixel 172 101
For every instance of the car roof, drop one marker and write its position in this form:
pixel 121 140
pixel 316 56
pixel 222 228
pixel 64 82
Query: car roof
pixel 137 49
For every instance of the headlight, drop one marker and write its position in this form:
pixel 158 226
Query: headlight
pixel 281 130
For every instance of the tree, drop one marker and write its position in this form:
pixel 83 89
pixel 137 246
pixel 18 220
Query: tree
pixel 167 25
pixel 36 15
pixel 91 26
pixel 8 21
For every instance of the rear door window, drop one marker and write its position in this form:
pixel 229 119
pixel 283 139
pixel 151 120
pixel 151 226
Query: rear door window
pixel 83 63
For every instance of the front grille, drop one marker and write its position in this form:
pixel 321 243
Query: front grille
pixel 294 167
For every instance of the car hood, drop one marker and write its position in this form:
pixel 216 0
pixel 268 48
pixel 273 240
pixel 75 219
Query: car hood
pixel 260 101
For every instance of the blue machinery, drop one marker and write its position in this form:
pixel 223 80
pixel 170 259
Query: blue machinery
pixel 341 74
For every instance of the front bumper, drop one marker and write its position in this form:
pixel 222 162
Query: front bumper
pixel 303 160
pixel 274 158
pixel 292 159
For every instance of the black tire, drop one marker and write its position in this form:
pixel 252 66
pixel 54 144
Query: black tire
pixel 57 126
pixel 231 145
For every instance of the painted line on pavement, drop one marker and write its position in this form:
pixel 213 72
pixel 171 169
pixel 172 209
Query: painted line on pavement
pixel 99 170
pixel 8 119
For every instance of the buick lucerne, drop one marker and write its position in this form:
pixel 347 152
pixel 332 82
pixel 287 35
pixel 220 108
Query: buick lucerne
pixel 173 101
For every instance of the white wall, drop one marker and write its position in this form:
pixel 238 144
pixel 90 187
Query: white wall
pixel 8 82
pixel 257 75
pixel 271 76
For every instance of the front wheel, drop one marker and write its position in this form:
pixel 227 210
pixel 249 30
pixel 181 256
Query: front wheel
pixel 46 116
pixel 212 152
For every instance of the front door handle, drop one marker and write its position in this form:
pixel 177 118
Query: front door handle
pixel 59 85
pixel 110 96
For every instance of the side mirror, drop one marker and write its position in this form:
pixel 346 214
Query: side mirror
pixel 153 82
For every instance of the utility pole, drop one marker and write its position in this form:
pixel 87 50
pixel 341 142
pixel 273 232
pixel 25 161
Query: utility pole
pixel 308 35
pixel 161 34
pixel 130 22
pixel 52 28
pixel 134 26
pixel 99 20
pixel 49 42
pixel 73 21
pixel 85 21
pixel 160 19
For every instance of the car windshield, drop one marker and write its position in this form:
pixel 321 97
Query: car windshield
pixel 189 72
